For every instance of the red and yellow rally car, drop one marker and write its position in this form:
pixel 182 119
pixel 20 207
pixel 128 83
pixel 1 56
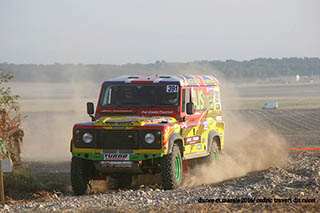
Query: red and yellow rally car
pixel 148 124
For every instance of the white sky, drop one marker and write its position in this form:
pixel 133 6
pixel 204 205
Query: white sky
pixel 143 31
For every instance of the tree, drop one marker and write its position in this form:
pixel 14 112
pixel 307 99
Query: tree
pixel 6 99
pixel 10 120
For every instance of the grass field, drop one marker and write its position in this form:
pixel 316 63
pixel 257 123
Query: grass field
pixel 288 96
pixel 243 103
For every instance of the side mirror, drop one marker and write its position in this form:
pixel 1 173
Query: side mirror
pixel 90 110
pixel 190 108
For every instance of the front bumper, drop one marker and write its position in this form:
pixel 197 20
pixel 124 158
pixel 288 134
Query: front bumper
pixel 116 167
pixel 101 156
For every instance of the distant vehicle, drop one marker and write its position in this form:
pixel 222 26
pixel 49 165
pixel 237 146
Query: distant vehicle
pixel 271 105
pixel 150 124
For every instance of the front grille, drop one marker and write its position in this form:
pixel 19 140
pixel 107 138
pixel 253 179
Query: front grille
pixel 116 139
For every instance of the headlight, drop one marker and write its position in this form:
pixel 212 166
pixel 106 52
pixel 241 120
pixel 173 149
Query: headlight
pixel 149 138
pixel 87 137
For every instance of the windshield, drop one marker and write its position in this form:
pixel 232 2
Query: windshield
pixel 140 95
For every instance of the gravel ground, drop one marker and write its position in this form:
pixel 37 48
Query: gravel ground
pixel 298 185
pixel 295 187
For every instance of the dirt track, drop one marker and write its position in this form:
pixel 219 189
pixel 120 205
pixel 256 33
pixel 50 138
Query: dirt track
pixel 258 190
pixel 300 127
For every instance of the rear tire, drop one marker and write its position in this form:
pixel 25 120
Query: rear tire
pixel 79 176
pixel 213 150
pixel 171 169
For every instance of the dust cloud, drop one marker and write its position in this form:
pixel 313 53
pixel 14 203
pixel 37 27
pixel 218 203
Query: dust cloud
pixel 249 146
pixel 50 110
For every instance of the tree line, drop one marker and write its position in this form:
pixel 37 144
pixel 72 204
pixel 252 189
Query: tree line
pixel 259 68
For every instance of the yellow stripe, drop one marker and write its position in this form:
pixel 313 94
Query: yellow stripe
pixel 202 116
pixel 136 151
pixel 74 149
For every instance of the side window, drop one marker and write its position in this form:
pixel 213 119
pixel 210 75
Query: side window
pixel 186 97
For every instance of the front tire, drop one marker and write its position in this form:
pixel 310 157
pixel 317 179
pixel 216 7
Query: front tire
pixel 79 176
pixel 171 169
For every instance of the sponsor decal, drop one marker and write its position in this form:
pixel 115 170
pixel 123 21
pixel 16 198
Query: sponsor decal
pixel 211 90
pixel 192 80
pixel 219 118
pixel 217 98
pixel 192 140
pixel 145 112
pixel 207 81
pixel 206 125
pixel 116 156
pixel 199 146
pixel 202 100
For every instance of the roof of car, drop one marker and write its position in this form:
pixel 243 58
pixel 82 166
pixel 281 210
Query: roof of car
pixel 183 80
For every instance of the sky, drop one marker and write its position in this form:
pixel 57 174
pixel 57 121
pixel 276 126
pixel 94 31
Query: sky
pixel 144 31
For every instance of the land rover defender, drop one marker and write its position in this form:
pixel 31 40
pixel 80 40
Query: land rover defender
pixel 148 124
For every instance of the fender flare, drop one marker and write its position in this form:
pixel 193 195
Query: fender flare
pixel 173 137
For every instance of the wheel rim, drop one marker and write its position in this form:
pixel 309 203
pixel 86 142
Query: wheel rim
pixel 178 167
pixel 215 155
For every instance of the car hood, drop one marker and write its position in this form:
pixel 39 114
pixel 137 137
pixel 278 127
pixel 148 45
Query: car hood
pixel 133 120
